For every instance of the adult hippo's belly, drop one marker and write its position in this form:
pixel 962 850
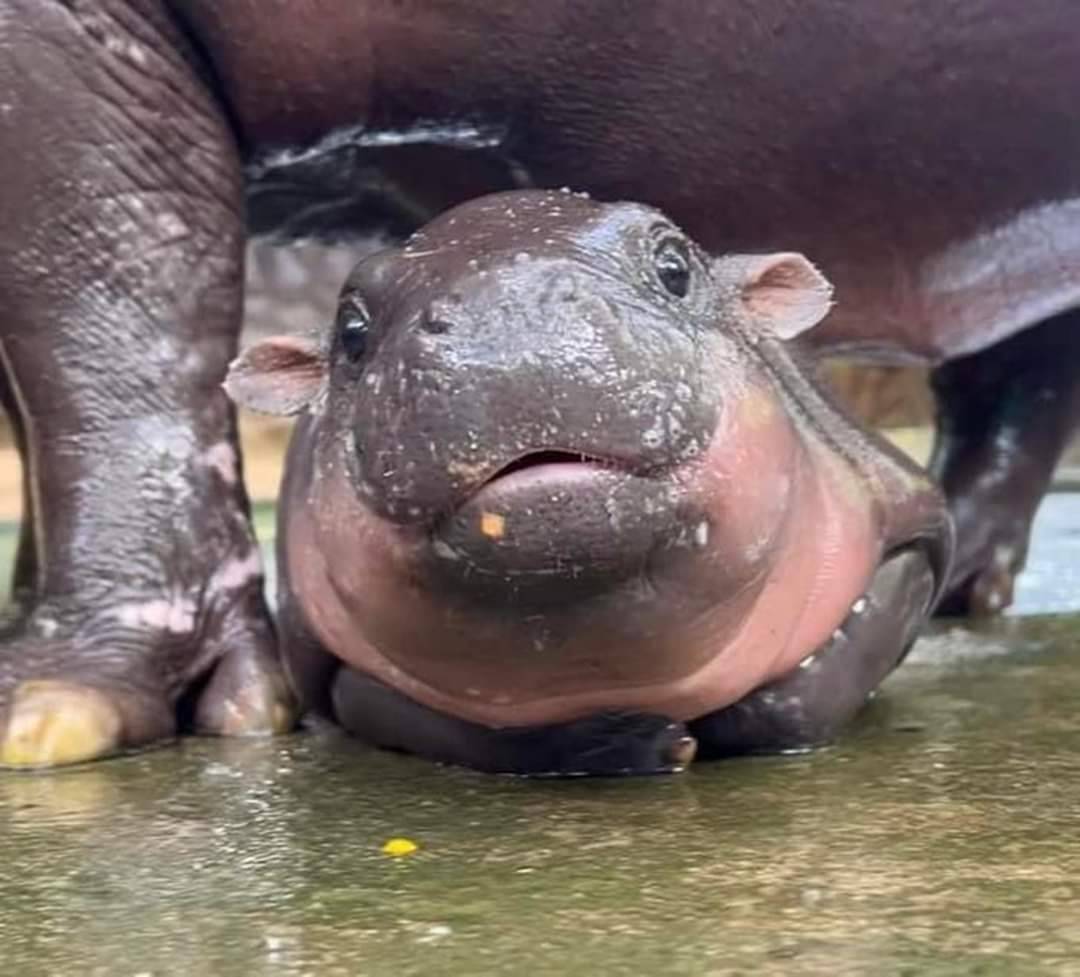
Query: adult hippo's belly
pixel 925 155
pixel 560 500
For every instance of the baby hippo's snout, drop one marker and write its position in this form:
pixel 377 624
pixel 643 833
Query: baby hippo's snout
pixel 528 412
pixel 513 364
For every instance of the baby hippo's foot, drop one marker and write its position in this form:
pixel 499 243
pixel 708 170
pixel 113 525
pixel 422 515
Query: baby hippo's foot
pixel 605 745
pixel 76 685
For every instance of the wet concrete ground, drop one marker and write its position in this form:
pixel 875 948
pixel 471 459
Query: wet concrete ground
pixel 939 837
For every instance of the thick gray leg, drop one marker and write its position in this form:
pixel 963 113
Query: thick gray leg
pixel 1005 415
pixel 120 283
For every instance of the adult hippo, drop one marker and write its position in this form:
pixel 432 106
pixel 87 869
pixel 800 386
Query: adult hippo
pixel 926 155
pixel 560 501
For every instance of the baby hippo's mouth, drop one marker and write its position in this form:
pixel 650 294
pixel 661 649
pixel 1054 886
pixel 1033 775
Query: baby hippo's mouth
pixel 548 464
pixel 556 524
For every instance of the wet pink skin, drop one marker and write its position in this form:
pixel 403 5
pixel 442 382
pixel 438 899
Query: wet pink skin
pixel 788 550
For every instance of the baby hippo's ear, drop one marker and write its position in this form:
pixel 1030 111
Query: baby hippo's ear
pixel 783 293
pixel 280 375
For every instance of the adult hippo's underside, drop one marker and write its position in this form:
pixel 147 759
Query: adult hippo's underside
pixel 925 156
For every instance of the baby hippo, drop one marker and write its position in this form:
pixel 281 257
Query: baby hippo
pixel 561 500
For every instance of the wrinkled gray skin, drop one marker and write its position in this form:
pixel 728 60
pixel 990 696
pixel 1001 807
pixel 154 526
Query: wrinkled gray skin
pixel 561 502
pixel 924 154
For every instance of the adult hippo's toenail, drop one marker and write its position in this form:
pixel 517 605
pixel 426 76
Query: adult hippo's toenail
pixel 54 723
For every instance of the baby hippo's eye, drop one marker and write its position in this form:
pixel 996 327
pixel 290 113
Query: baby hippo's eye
pixel 353 323
pixel 672 261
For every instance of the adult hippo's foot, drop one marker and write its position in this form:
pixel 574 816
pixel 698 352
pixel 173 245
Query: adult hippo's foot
pixel 1005 416
pixel 561 491
pixel 137 598
pixel 78 683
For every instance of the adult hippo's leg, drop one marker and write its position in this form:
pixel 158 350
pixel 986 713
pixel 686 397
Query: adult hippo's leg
pixel 1005 416
pixel 119 276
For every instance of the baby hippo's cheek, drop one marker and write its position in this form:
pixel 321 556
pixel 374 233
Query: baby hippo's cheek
pixel 744 481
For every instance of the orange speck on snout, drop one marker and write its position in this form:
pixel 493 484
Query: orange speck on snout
pixel 492 525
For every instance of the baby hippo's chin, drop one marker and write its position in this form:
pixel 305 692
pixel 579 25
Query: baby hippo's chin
pixel 563 589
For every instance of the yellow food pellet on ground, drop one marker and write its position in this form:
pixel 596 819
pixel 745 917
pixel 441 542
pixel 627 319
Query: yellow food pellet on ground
pixel 492 524
pixel 396 847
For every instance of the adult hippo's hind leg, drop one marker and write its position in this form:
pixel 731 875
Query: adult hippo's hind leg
pixel 119 278
pixel 1005 416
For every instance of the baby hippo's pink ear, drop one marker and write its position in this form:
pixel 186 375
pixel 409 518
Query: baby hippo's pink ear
pixel 280 375
pixel 782 293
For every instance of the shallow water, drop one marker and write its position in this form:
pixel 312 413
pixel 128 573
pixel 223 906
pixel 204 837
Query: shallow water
pixel 938 837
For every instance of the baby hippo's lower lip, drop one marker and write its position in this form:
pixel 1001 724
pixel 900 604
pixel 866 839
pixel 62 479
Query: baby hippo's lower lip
pixel 551 531
pixel 543 470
